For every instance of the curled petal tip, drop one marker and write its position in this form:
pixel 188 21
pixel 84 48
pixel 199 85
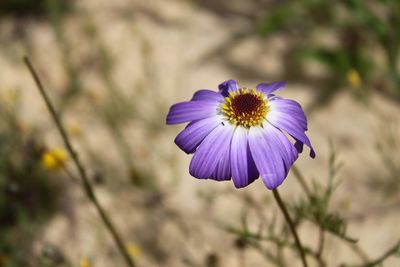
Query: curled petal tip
pixel 228 86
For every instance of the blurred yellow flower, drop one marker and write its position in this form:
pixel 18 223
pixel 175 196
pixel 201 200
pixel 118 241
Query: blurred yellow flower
pixel 54 159
pixel 74 129
pixel 84 263
pixel 353 79
pixel 133 250
pixel 9 96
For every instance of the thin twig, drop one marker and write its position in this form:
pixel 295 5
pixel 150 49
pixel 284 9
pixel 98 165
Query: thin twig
pixel 301 180
pixel 320 249
pixel 82 173
pixel 360 253
pixel 280 257
pixel 289 221
pixel 70 175
pixel 321 239
pixel 393 250
pixel 390 252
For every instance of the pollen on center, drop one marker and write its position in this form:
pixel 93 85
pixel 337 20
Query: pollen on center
pixel 245 107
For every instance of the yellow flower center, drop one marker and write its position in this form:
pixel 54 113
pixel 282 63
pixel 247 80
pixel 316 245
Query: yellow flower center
pixel 245 107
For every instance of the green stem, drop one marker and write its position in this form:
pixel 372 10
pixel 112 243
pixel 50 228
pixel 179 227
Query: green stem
pixel 393 250
pixel 289 221
pixel 82 173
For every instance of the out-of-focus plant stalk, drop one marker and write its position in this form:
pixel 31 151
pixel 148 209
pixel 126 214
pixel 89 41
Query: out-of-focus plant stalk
pixel 320 249
pixel 289 221
pixel 301 180
pixel 82 173
pixel 321 238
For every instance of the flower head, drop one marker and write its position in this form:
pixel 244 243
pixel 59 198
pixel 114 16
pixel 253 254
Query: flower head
pixel 241 133
pixel 353 79
pixel 133 250
pixel 84 262
pixel 54 159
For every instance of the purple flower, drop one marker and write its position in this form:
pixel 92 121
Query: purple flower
pixel 241 133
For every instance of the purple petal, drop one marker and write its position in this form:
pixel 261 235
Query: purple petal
pixel 283 145
pixel 189 139
pixel 207 95
pixel 291 124
pixel 239 158
pixel 228 86
pixel 223 170
pixel 191 111
pixel 210 151
pixel 269 88
pixel 312 153
pixel 253 172
pixel 299 146
pixel 266 155
pixel 289 107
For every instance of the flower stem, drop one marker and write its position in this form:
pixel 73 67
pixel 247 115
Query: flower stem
pixel 82 173
pixel 289 221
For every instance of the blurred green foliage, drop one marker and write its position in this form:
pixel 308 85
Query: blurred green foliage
pixel 312 206
pixel 354 44
pixel 22 7
pixel 28 7
pixel 358 26
pixel 315 206
pixel 28 195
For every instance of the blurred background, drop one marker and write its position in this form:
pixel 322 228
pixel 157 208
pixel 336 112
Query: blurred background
pixel 113 69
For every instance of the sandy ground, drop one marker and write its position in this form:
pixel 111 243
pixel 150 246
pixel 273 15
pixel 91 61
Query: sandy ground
pixel 176 35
